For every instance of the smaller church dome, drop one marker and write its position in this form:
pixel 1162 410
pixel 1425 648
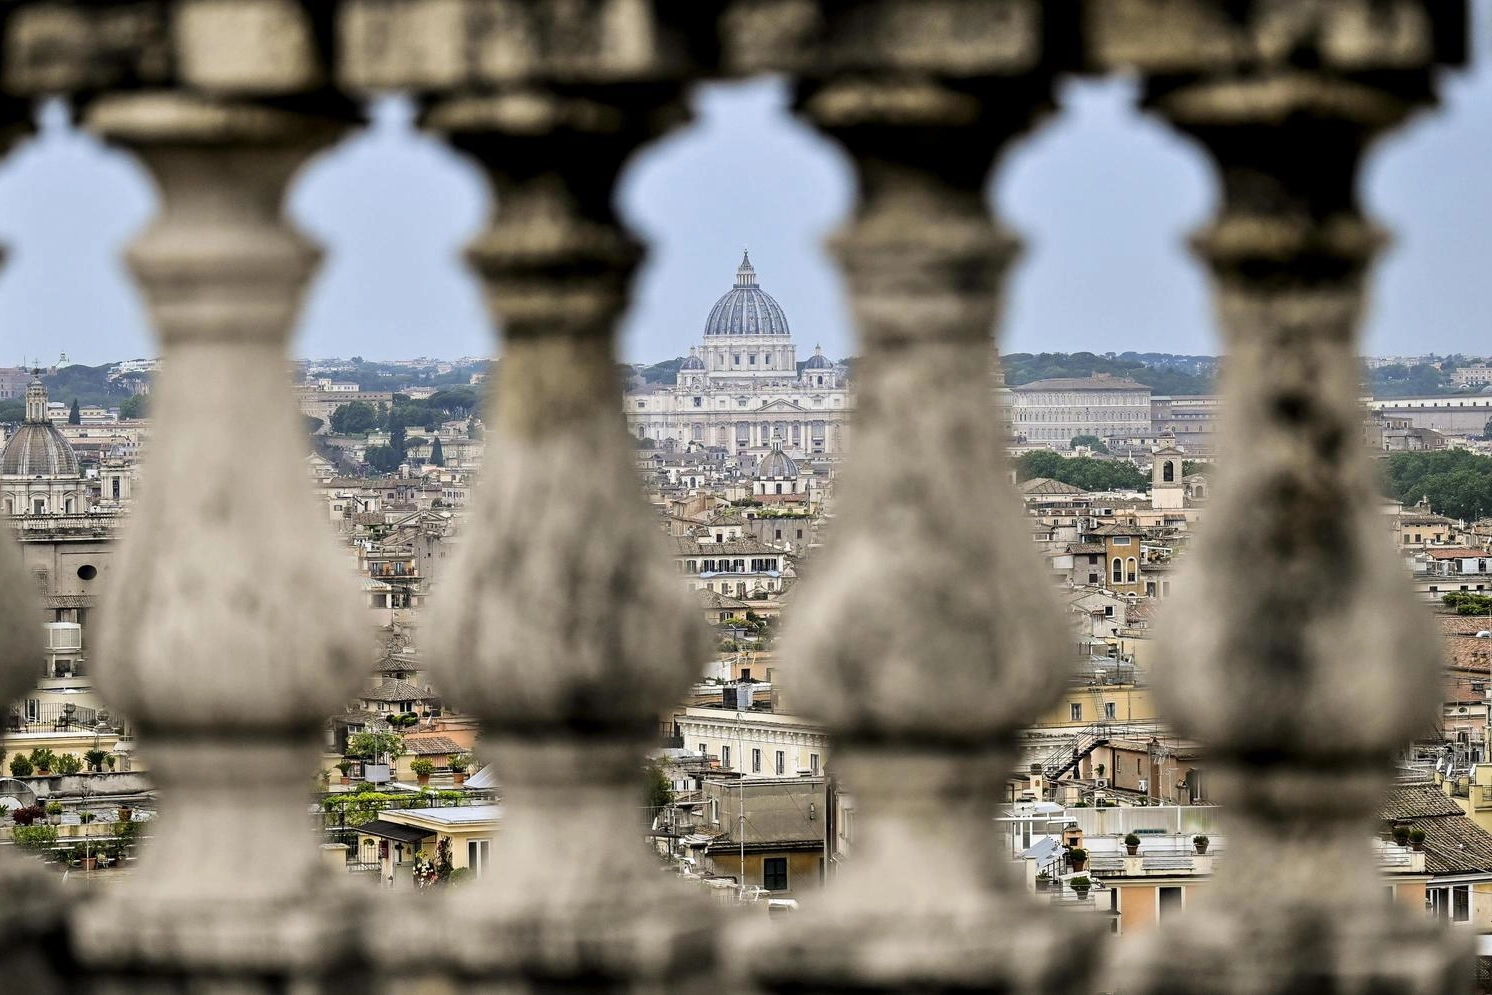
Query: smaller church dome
pixel 693 362
pixel 777 465
pixel 36 448
pixel 818 361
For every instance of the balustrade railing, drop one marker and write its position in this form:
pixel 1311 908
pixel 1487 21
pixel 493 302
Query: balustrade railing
pixel 1297 659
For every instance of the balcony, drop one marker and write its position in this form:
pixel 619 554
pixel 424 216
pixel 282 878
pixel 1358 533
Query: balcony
pixel 1294 652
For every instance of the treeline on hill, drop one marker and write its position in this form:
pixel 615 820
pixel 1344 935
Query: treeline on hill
pixel 82 384
pixel 1420 379
pixel 1457 483
pixel 1162 373
pixel 374 376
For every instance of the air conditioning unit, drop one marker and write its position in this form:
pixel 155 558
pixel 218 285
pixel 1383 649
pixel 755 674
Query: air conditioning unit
pixel 1100 782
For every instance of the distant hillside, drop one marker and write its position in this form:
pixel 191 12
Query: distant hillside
pixel 1163 373
pixel 87 384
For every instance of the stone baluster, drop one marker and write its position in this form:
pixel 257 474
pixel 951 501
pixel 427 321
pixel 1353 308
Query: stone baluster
pixel 232 631
pixel 920 640
pixel 1293 648
pixel 30 909
pixel 562 624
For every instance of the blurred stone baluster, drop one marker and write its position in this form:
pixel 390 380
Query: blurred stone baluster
pixel 1293 648
pixel 561 624
pixel 920 639
pixel 232 630
pixel 31 907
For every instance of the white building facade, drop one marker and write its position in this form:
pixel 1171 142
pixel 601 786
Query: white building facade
pixel 1055 411
pixel 742 387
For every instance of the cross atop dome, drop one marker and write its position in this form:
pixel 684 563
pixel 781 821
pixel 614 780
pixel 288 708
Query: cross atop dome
pixel 745 273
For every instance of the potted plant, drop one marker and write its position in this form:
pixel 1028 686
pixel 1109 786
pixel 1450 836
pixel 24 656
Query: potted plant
pixel 43 759
pixel 86 817
pixel 112 761
pixel 1081 885
pixel 1077 858
pixel 459 762
pixel 1200 842
pixel 20 766
pixel 126 813
pixel 54 813
pixel 1043 881
pixel 345 767
pixel 1132 844
pixel 1417 839
pixel 95 760
pixel 422 770
pixel 68 763
pixel 1401 833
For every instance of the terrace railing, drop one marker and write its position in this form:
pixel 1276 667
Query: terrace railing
pixel 1299 658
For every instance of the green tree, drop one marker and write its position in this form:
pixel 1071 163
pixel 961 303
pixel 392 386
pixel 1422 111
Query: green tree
pixel 397 441
pixel 1093 442
pixel 1084 471
pixel 659 789
pixel 437 453
pixel 355 418
pixel 1455 482
pixel 133 406
pixel 74 414
pixel 12 410
pixel 372 746
pixel 382 459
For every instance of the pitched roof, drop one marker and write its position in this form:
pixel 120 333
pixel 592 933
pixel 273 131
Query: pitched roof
pixel 1046 485
pixel 432 745
pixel 1082 383
pixel 1455 845
pixel 396 690
pixel 1416 799
pixel 690 546
pixel 715 600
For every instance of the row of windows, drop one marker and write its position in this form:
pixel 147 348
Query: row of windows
pixel 762 565
pixel 1131 398
pixel 1110 711
pixel 1086 415
pixel 779 760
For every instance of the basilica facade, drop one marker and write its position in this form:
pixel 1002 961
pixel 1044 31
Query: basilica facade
pixel 742 387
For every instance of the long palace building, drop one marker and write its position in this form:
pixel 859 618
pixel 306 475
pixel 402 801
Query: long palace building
pixel 742 387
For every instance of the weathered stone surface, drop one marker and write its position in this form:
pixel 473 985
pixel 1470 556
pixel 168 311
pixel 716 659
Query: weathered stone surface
pixel 1189 36
pixel 438 44
pixel 924 683
pixel 561 623
pixel 246 47
pixel 1293 648
pixel 66 47
pixel 224 565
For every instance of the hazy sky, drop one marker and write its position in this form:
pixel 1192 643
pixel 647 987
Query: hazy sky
pixel 1103 196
